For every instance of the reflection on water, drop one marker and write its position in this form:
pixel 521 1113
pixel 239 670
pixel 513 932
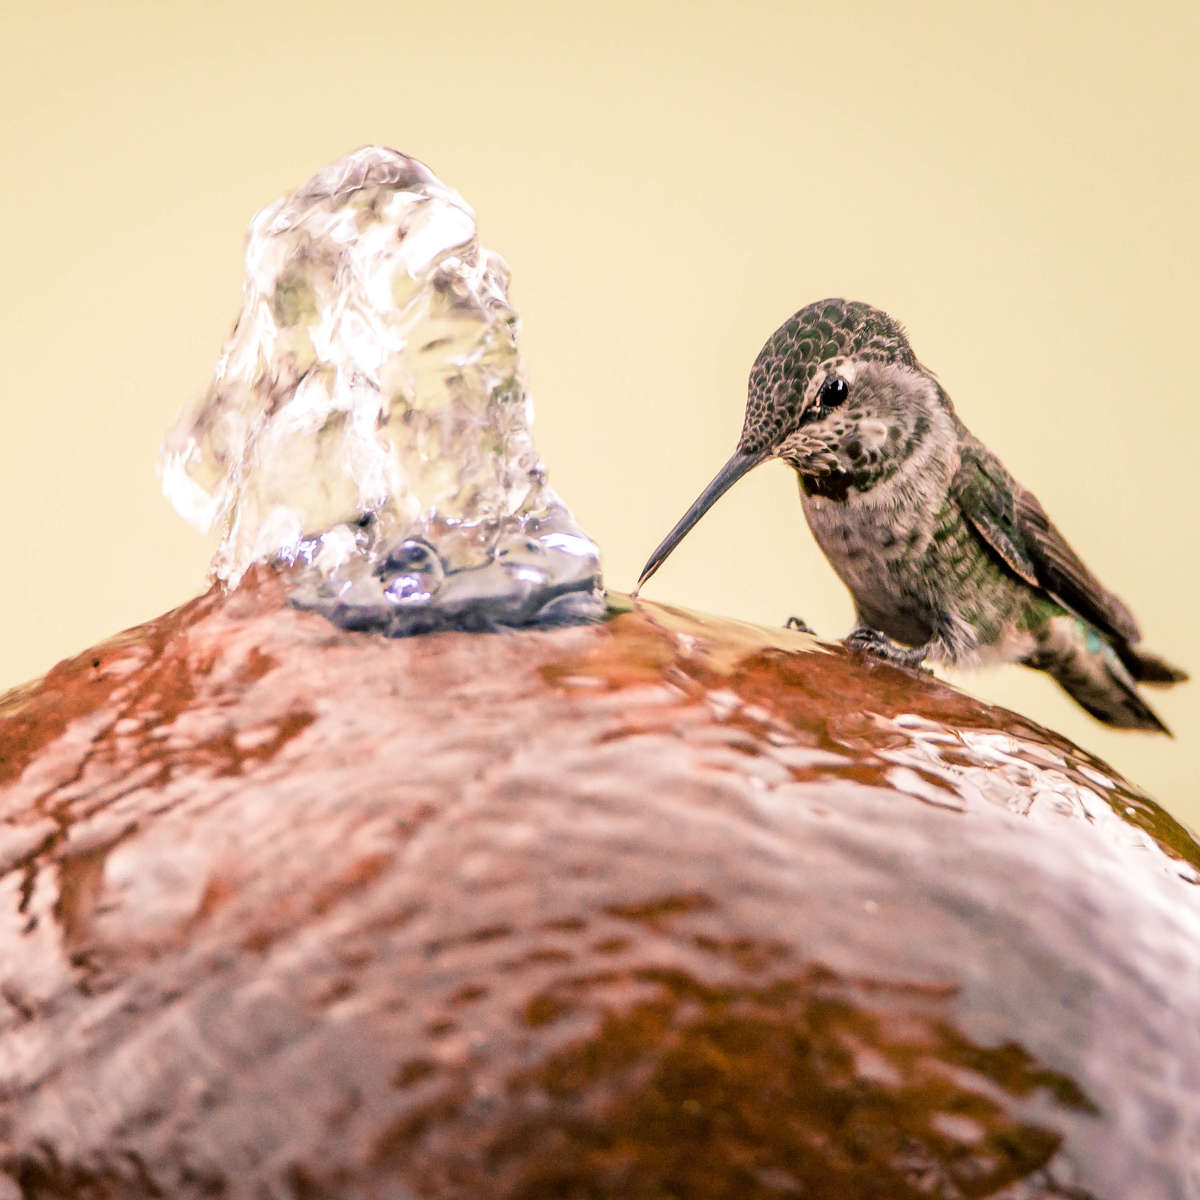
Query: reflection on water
pixel 1021 767
pixel 808 1085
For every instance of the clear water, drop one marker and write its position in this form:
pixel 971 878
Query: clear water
pixel 368 420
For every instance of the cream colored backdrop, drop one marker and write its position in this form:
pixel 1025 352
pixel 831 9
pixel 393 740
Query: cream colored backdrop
pixel 668 182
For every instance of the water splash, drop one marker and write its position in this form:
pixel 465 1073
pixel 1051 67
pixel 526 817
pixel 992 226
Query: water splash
pixel 368 421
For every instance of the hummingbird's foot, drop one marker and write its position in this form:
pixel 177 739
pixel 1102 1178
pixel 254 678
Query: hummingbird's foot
pixel 800 626
pixel 870 641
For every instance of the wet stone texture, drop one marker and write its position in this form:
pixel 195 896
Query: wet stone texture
pixel 662 907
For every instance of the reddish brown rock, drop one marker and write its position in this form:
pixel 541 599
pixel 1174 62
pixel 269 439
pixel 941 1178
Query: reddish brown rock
pixel 666 907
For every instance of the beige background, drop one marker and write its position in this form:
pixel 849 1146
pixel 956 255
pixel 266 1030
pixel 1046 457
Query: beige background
pixel 668 183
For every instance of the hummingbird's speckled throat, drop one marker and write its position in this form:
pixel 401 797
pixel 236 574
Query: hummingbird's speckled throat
pixel 946 556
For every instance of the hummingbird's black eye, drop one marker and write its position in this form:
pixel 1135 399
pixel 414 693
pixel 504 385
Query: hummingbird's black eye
pixel 833 391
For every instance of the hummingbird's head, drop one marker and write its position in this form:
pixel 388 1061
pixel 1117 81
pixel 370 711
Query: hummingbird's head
pixel 838 394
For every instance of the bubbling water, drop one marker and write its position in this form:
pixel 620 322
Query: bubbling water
pixel 368 421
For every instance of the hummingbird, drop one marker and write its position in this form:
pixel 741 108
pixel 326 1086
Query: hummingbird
pixel 946 555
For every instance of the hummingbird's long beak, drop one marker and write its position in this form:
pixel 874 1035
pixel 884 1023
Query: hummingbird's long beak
pixel 726 477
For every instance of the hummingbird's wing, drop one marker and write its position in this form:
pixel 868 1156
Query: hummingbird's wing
pixel 1012 522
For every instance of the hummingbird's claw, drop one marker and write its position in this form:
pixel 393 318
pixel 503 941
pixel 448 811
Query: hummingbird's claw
pixel 799 625
pixel 870 641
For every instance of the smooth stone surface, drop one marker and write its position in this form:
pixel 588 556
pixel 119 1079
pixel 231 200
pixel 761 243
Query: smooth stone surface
pixel 664 907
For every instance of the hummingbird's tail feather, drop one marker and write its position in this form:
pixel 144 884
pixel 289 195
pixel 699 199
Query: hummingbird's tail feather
pixel 1150 668
pixel 1094 674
